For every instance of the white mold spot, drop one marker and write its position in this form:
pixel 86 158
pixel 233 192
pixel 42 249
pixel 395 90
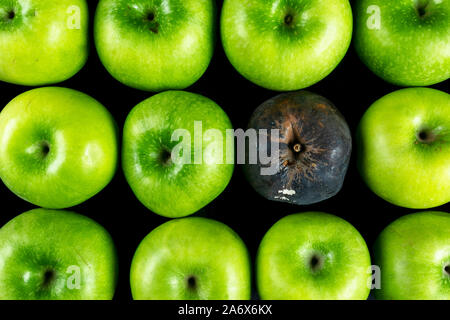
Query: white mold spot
pixel 287 192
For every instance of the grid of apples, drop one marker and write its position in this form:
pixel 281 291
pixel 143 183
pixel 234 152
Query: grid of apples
pixel 59 147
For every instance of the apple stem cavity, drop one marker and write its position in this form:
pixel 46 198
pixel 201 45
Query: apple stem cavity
pixel 447 270
pixel 297 147
pixel 288 19
pixel 9 15
pixel 45 149
pixel 191 282
pixel 49 276
pixel 166 157
pixel 316 262
pixel 151 16
pixel 421 8
pixel 426 136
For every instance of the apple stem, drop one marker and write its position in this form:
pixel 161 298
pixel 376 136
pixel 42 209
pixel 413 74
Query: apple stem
pixel 45 148
pixel 426 136
pixel 191 282
pixel 151 16
pixel 288 19
pixel 49 275
pixel 316 262
pixel 421 7
pixel 166 157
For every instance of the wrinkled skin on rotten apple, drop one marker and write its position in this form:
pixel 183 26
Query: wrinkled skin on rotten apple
pixel 315 145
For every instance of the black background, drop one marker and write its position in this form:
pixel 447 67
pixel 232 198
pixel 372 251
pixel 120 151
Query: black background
pixel 351 87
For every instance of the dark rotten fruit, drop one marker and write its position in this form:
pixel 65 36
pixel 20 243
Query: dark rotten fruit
pixel 314 148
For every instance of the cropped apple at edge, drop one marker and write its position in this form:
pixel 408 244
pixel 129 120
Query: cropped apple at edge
pixel 404 148
pixel 191 258
pixel 42 41
pixel 59 147
pixel 413 253
pixel 155 45
pixel 56 255
pixel 313 256
pixel 404 42
pixel 286 45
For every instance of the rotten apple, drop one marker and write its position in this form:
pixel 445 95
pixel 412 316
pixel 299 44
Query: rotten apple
pixel 307 141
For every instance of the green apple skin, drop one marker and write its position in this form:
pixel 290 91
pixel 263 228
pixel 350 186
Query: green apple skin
pixel 175 189
pixel 191 259
pixel 155 45
pixel 405 48
pixel 404 148
pixel 286 45
pixel 59 147
pixel 42 41
pixel 313 256
pixel 41 248
pixel 413 254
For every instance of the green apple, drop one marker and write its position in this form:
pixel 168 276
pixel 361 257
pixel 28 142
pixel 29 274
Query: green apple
pixel 405 42
pixel 404 148
pixel 191 259
pixel 173 174
pixel 413 254
pixel 42 41
pixel 155 45
pixel 56 255
pixel 58 147
pixel 286 44
pixel 313 256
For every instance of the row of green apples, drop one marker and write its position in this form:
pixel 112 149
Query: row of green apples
pixel 282 45
pixel 51 254
pixel 59 147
